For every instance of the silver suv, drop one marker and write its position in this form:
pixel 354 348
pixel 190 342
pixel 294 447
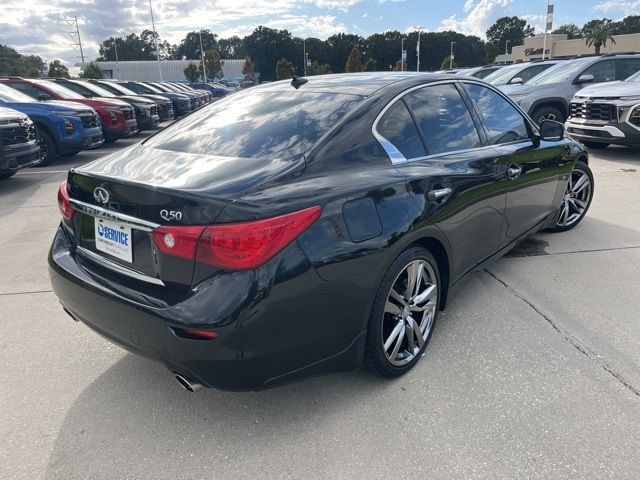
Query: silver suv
pixel 608 113
pixel 547 95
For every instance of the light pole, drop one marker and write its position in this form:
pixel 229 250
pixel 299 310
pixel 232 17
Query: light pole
pixel 204 67
pixel 304 56
pixel 155 40
pixel 402 55
pixel 115 46
pixel 451 56
pixel 418 49
pixel 506 47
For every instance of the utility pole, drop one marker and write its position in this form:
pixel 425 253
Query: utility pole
pixel 75 34
pixel 418 50
pixel 155 40
pixel 402 55
pixel 304 55
pixel 204 68
pixel 451 56
pixel 115 46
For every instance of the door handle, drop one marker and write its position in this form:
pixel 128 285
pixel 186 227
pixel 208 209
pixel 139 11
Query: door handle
pixel 439 195
pixel 513 171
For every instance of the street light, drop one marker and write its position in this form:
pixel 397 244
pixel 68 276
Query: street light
pixel 204 68
pixel 451 56
pixel 115 46
pixel 402 55
pixel 506 47
pixel 155 40
pixel 418 50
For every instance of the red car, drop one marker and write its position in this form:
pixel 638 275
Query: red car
pixel 118 117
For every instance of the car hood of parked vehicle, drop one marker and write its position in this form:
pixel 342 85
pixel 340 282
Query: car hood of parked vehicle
pixel 137 100
pixel 611 90
pixel 60 106
pixel 10 114
pixel 222 177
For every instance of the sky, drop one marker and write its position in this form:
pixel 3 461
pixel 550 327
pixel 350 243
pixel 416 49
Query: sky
pixel 38 26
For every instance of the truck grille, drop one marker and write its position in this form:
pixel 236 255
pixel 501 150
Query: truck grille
pixel 593 111
pixel 153 110
pixel 90 121
pixel 166 110
pixel 23 133
pixel 129 114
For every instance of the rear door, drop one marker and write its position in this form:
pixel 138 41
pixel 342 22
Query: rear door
pixel 532 173
pixel 625 67
pixel 452 173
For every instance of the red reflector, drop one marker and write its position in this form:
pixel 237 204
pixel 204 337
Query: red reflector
pixel 63 202
pixel 246 245
pixel 200 334
pixel 178 241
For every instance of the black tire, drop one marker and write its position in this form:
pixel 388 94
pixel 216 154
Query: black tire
pixel 595 145
pixel 380 321
pixel 48 150
pixel 580 168
pixel 70 153
pixel 5 175
pixel 547 113
pixel 110 139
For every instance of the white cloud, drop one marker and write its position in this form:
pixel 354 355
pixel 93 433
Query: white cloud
pixel 335 4
pixel 468 5
pixel 480 16
pixel 627 8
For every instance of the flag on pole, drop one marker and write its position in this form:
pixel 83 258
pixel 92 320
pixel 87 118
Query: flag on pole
pixel 549 18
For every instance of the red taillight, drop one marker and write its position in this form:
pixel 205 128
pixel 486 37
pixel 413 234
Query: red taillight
pixel 63 202
pixel 178 241
pixel 199 333
pixel 246 245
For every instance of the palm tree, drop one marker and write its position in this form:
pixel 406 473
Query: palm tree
pixel 598 34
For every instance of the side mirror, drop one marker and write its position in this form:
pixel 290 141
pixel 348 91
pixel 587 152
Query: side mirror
pixel 551 131
pixel 585 79
pixel 516 80
pixel 43 96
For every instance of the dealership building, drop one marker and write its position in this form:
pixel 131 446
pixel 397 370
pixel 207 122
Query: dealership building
pixel 172 70
pixel 558 46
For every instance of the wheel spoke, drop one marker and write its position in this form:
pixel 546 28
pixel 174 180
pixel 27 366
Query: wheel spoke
pixel 416 331
pixel 396 296
pixel 429 293
pixel 419 274
pixel 579 203
pixel 396 347
pixel 392 308
pixel 411 279
pixel 580 184
pixel 408 332
pixel 394 334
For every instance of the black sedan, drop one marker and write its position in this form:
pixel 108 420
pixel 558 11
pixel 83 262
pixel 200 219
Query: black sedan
pixel 309 226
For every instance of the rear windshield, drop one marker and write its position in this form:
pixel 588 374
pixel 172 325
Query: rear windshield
pixel 269 124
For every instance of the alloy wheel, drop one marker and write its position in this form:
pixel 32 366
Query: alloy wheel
pixel 409 312
pixel 576 198
pixel 44 149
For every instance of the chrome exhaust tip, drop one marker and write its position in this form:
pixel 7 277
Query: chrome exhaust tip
pixel 188 384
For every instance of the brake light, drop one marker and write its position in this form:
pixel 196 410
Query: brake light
pixel 247 245
pixel 63 202
pixel 178 241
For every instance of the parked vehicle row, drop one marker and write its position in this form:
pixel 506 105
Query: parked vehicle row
pixel 18 143
pixel 70 115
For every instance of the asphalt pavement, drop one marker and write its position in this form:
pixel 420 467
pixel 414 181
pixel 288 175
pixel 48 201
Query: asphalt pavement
pixel 533 372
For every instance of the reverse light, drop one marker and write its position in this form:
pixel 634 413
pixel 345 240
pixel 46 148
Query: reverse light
pixel 247 245
pixel 64 203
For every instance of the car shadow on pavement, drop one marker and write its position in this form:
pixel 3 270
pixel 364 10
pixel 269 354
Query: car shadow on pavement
pixel 136 405
pixel 617 154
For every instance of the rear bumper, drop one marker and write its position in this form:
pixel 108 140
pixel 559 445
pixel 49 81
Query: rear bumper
pixel 616 133
pixel 270 330
pixel 19 156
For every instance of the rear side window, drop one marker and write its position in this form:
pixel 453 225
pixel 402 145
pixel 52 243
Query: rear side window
pixel 627 67
pixel 443 116
pixel 503 122
pixel 602 71
pixel 397 126
pixel 270 124
pixel 31 90
pixel 528 73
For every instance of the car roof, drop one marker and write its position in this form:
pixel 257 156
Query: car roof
pixel 365 83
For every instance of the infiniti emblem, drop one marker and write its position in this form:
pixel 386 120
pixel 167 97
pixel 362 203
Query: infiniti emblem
pixel 101 195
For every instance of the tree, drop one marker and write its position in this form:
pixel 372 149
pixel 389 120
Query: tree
pixel 13 63
pixel 370 65
pixel 383 49
pixel 339 47
pixel 266 46
pixel 213 64
pixel 570 29
pixel 354 62
pixel 134 47
pixel 629 24
pixel 598 32
pixel 318 69
pixel 284 69
pixel 57 69
pixel 189 47
pixel 399 66
pixel 232 47
pixel 446 62
pixel 92 70
pixel 192 73
pixel 247 70
pixel 513 29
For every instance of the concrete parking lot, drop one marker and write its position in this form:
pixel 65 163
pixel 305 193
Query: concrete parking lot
pixel 533 372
